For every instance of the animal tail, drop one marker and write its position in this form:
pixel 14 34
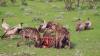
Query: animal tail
pixel 3 35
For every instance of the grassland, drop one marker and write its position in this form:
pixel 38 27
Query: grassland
pixel 86 43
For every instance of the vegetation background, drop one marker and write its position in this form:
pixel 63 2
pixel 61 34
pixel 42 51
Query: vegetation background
pixel 86 43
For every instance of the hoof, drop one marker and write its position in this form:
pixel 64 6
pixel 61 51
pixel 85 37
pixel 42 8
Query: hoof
pixel 70 47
